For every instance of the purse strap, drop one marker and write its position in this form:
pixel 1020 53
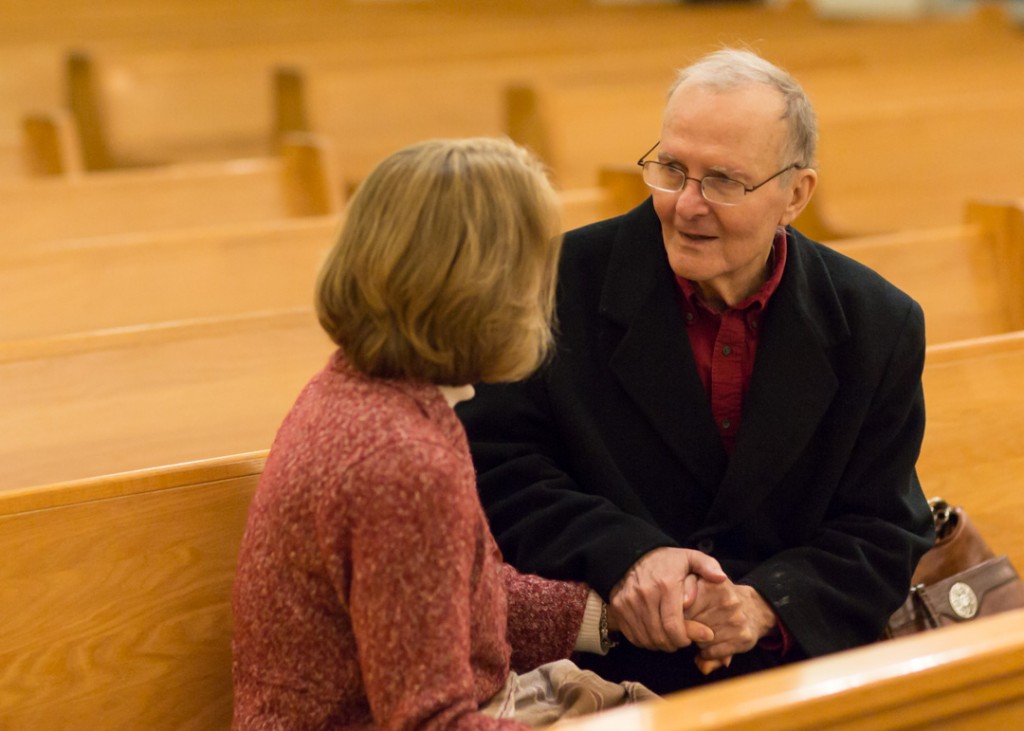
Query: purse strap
pixel 944 516
pixel 959 597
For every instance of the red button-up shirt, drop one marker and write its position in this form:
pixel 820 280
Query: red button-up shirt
pixel 725 343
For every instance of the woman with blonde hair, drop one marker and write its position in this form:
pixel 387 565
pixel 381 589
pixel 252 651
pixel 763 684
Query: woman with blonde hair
pixel 370 592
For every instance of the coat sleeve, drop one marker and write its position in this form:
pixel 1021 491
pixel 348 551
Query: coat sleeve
pixel 545 522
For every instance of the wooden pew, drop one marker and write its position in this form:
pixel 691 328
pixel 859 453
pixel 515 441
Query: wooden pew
pixel 116 597
pixel 143 105
pixel 91 404
pixel 47 144
pixel 12 162
pixel 60 287
pixel 32 79
pixel 577 128
pixel 904 148
pixel 154 105
pixel 965 677
pixel 973 453
pixel 146 105
pixel 298 183
pixel 618 189
pixel 181 22
pixel 969 278
pixel 134 279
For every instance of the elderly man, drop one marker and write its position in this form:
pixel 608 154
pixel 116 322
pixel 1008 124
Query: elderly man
pixel 724 388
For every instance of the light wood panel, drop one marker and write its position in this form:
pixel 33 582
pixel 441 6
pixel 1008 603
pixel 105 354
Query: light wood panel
pixel 46 144
pixel 66 286
pixel 92 404
pixel 967 278
pixel 135 279
pixel 116 598
pixel 300 182
pixel 973 453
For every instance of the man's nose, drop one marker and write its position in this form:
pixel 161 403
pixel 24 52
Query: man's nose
pixel 691 200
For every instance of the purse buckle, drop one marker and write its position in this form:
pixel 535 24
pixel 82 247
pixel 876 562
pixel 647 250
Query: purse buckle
pixel 962 600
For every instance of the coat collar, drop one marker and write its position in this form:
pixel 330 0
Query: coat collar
pixel 793 382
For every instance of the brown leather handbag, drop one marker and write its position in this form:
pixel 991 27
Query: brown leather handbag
pixel 958 580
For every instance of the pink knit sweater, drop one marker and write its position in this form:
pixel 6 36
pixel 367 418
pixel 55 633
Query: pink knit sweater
pixel 370 592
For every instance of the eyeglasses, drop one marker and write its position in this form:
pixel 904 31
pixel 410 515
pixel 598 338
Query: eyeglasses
pixel 716 189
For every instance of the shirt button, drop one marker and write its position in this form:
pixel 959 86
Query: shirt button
pixel 689 317
pixel 705 545
pixel 753 324
pixel 726 423
pixel 727 350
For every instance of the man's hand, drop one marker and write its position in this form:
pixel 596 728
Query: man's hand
pixel 649 603
pixel 738 617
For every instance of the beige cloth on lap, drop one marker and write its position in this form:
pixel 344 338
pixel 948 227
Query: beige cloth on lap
pixel 560 690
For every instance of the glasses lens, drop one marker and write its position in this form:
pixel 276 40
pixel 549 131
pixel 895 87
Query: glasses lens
pixel 662 177
pixel 722 190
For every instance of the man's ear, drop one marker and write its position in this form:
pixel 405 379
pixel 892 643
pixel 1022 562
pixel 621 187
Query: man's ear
pixel 802 188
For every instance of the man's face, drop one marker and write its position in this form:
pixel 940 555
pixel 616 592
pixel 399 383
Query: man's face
pixel 738 134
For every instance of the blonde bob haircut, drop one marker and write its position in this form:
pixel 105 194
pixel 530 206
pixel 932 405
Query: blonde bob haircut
pixel 444 269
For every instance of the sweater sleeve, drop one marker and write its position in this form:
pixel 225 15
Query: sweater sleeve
pixel 544 618
pixel 415 549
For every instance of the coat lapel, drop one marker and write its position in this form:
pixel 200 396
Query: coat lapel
pixel 653 360
pixel 792 387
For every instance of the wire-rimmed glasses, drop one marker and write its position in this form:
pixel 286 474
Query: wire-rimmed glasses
pixel 717 189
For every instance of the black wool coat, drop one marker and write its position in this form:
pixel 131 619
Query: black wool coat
pixel 610 450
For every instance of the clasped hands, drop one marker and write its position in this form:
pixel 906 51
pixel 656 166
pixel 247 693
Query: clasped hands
pixel 674 597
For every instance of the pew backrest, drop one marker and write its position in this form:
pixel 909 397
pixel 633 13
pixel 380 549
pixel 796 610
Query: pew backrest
pixel 89 404
pixel 58 287
pixel 116 598
pixel 134 279
pixel 968 278
pixel 973 454
pixel 300 182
